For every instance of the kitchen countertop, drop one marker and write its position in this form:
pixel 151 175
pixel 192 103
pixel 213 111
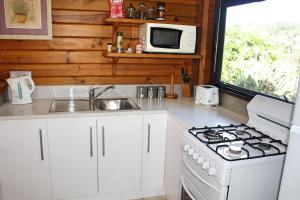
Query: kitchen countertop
pixel 183 110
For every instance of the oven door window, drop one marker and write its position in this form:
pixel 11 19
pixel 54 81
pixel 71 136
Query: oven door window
pixel 165 38
pixel 184 195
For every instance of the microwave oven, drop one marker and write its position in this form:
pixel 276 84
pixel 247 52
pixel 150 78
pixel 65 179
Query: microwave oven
pixel 168 38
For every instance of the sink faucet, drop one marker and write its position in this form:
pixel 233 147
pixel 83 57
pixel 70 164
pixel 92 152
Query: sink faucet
pixel 92 96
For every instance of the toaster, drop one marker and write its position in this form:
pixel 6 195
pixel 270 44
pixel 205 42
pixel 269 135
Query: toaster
pixel 207 95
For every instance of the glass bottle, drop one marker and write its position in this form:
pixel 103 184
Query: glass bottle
pixel 143 11
pixel 119 42
pixel 161 11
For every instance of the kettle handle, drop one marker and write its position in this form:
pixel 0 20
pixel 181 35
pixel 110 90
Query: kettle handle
pixel 32 83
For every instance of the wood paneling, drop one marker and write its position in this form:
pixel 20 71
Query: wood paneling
pixel 75 55
pixel 207 41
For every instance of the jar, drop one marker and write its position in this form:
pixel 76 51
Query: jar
pixel 139 48
pixel 109 47
pixel 161 11
pixel 119 42
pixel 161 92
pixel 152 92
pixel 141 92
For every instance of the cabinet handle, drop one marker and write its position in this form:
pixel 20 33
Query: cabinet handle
pixel 149 137
pixel 41 144
pixel 103 141
pixel 91 141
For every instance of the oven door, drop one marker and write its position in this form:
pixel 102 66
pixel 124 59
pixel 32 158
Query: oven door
pixel 189 191
pixel 198 186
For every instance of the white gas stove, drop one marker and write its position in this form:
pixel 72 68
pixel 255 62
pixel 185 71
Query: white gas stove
pixel 235 162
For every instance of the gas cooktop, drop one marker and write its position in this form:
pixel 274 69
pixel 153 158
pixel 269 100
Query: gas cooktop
pixel 238 142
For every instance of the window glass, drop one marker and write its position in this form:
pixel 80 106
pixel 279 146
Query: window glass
pixel 262 47
pixel 165 37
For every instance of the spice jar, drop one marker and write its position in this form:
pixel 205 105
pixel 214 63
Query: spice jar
pixel 109 47
pixel 161 11
pixel 119 42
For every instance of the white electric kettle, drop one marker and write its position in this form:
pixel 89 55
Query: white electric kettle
pixel 21 89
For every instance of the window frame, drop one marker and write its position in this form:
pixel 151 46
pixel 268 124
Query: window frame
pixel 219 37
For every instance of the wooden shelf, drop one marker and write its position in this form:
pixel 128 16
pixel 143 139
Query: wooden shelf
pixel 138 22
pixel 152 55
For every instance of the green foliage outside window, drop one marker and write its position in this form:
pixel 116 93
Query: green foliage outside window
pixel 265 59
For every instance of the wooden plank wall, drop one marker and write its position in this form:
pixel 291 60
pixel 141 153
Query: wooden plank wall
pixel 207 40
pixel 75 55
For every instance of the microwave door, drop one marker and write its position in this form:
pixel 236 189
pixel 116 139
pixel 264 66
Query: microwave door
pixel 165 38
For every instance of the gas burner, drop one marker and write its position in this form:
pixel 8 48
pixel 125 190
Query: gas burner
pixel 212 135
pixel 235 148
pixel 232 151
pixel 264 146
pixel 240 131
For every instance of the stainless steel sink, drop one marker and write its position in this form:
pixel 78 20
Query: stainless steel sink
pixel 70 106
pixel 98 104
pixel 115 104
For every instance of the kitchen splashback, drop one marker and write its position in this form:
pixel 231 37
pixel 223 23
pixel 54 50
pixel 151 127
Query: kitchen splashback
pixel 81 91
pixel 3 98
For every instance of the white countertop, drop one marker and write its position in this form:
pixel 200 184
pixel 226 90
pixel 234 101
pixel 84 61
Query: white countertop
pixel 183 110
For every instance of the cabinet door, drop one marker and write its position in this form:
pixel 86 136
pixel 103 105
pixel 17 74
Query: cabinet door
pixel 154 142
pixel 120 147
pixel 73 157
pixel 24 161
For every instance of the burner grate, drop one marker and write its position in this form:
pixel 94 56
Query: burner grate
pixel 255 144
pixel 219 133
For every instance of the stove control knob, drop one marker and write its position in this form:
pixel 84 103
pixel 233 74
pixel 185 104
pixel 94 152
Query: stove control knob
pixel 186 147
pixel 200 161
pixel 212 171
pixel 205 165
pixel 195 156
pixel 191 152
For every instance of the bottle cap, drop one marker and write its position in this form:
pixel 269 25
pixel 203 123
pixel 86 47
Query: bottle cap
pixel 119 33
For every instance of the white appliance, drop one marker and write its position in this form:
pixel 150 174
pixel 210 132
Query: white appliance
pixel 21 89
pixel 168 38
pixel 289 189
pixel 207 95
pixel 235 162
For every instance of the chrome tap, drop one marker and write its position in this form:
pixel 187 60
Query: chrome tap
pixel 92 96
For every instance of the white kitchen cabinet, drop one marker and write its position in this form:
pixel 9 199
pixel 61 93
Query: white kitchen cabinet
pixel 172 183
pixel 120 147
pixel 154 142
pixel 73 157
pixel 24 160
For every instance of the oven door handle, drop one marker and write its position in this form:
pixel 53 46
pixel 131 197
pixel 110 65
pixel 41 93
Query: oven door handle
pixel 198 177
pixel 186 190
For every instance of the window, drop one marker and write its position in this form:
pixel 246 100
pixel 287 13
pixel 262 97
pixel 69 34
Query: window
pixel 258 47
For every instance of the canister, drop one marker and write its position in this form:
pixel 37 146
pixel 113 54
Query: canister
pixel 152 92
pixel 161 91
pixel 141 92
